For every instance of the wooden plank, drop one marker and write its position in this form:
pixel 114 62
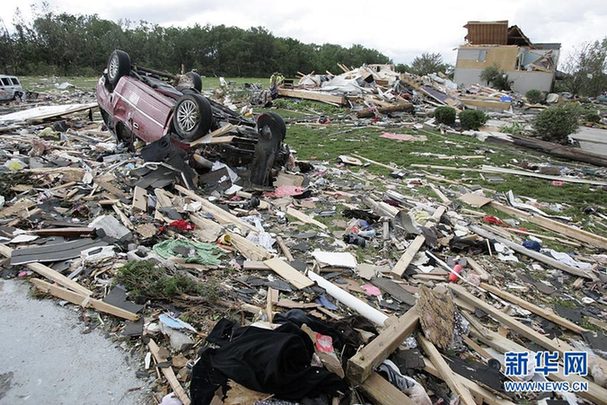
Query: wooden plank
pixel 407 257
pixel 475 389
pixel 206 229
pixel 294 277
pixel 304 218
pixel 391 168
pixel 169 374
pixel 444 199
pixel 123 218
pixel 362 364
pixel 475 200
pixel 254 265
pixel 384 393
pixel 501 170
pixel 221 216
pixel 544 313
pixel 509 321
pixel 445 372
pixel 532 253
pixel 247 248
pixel 284 248
pixel 552 225
pixel 215 134
pixel 312 95
pixel 140 199
pixel 83 300
pixel 49 273
pixel 17 208
pixel 478 269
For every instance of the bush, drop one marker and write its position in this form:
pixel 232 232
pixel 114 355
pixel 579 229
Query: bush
pixel 472 119
pixel 445 115
pixel 556 123
pixel 535 96
pixel 496 78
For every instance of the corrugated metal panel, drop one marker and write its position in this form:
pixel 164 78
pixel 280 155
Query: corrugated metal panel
pixel 487 33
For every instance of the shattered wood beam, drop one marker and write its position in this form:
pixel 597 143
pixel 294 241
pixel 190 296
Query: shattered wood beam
pixel 169 374
pixel 312 95
pixel 49 273
pixel 284 248
pixel 398 107
pixel 445 372
pixel 222 216
pixel 304 218
pixel 362 364
pixel 444 199
pixel 562 151
pixel 366 310
pixel 407 257
pixel 247 248
pixel 383 392
pixel 294 277
pixel 502 170
pixel 375 162
pixel 475 389
pixel 509 321
pixel 554 226
pixel 83 300
pixel 478 269
pixel 544 313
pixel 532 253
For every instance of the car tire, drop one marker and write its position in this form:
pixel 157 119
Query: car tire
pixel 118 65
pixel 192 117
pixel 196 80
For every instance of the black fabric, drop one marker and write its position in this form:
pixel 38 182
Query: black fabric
pixel 271 361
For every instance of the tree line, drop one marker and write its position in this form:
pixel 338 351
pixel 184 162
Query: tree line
pixel 66 44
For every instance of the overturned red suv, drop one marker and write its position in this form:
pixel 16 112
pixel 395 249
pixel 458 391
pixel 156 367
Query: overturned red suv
pixel 160 108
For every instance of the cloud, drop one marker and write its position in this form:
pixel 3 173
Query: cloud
pixel 399 29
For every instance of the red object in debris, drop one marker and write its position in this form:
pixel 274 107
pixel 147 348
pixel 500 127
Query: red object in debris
pixel 284 191
pixel 558 183
pixel 490 219
pixel 182 225
pixel 324 343
pixel 456 269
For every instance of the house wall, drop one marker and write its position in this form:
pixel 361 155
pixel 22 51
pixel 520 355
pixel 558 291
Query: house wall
pixel 480 57
pixel 522 80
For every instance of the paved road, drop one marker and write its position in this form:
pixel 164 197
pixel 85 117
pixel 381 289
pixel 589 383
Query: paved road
pixel 45 359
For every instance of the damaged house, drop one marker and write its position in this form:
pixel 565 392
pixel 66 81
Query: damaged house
pixel 492 43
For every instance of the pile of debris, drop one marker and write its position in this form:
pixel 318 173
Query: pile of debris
pixel 323 286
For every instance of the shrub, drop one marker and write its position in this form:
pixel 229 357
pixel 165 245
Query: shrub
pixel 535 96
pixel 445 115
pixel 496 78
pixel 516 128
pixel 556 123
pixel 472 119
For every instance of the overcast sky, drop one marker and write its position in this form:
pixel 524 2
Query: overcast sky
pixel 399 29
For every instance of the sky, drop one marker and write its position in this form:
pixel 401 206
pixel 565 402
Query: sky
pixel 399 29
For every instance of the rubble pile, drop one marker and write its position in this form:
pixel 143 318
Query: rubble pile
pixel 334 285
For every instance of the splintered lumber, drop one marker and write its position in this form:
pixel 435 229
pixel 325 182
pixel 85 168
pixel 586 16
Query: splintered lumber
pixel 501 170
pixel 284 248
pixel 294 277
pixel 140 199
pixel 374 162
pixel 507 320
pixel 349 300
pixel 398 107
pixel 219 132
pixel 248 249
pixel 169 374
pixel 304 218
pixel 407 257
pixel 312 95
pixel 478 269
pixel 362 364
pixel 206 229
pixel 49 273
pixel 552 225
pixel 475 389
pixel 444 199
pixel 544 313
pixel 83 300
pixel 17 208
pixel 221 216
pixel 383 392
pixel 561 151
pixel 445 372
pixel 532 253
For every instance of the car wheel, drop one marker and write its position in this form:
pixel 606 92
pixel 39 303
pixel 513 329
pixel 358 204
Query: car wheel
pixel 118 65
pixel 192 117
pixel 195 79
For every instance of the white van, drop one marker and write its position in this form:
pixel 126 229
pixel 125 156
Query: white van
pixel 10 88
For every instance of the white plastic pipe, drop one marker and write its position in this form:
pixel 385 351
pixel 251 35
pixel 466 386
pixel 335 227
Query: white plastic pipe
pixel 366 310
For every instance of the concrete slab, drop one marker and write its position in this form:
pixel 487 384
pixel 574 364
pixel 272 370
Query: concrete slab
pixel 45 359
pixel 592 140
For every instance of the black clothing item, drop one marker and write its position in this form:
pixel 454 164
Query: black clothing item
pixel 272 361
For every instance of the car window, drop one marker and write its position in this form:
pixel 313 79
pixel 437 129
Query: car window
pixel 5 81
pixel 15 81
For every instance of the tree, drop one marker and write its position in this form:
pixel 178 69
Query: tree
pixel 586 69
pixel 428 63
pixel 495 77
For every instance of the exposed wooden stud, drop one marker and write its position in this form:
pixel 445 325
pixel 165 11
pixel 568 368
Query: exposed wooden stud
pixel 169 374
pixel 294 277
pixel 384 393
